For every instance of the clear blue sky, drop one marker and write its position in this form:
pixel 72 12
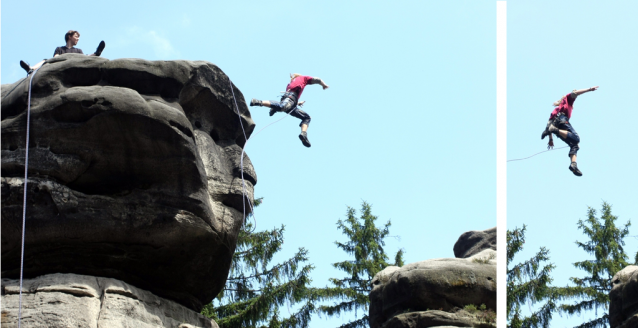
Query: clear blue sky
pixel 553 48
pixel 408 123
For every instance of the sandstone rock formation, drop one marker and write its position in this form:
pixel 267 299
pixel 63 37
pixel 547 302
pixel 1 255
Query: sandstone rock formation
pixel 623 305
pixel 436 293
pixel 473 242
pixel 70 300
pixel 134 174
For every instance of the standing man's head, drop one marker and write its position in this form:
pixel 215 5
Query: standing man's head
pixel 72 37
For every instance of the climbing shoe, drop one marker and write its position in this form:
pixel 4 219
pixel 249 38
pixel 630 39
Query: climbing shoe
pixel 303 136
pixel 100 47
pixel 25 66
pixel 255 102
pixel 273 111
pixel 574 168
pixel 544 134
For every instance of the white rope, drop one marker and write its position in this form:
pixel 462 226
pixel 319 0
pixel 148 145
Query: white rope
pixel 544 151
pixel 241 161
pixel 24 206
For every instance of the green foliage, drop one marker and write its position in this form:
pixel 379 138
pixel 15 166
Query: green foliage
pixel 606 243
pixel 529 283
pixel 482 313
pixel 255 290
pixel 365 243
pixel 470 308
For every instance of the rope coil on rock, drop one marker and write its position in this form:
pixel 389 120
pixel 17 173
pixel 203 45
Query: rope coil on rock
pixel 24 206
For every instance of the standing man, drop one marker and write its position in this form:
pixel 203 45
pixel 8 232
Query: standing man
pixel 559 124
pixel 71 38
pixel 289 102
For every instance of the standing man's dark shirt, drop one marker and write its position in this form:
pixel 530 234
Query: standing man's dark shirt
pixel 65 50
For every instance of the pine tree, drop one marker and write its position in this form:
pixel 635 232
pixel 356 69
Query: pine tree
pixel 255 291
pixel 606 243
pixel 529 283
pixel 365 243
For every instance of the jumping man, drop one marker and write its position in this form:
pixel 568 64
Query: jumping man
pixel 559 124
pixel 289 102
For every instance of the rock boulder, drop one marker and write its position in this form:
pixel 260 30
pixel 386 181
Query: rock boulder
pixel 623 297
pixel 473 242
pixel 134 173
pixel 435 293
pixel 70 300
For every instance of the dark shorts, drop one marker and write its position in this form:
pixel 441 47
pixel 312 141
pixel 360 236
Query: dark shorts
pixel 288 104
pixel 572 139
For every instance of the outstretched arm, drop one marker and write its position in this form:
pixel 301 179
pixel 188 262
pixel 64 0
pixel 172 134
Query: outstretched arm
pixel 316 80
pixel 580 92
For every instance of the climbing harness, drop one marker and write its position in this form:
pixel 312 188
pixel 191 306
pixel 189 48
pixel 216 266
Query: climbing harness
pixel 24 206
pixel 241 161
pixel 544 151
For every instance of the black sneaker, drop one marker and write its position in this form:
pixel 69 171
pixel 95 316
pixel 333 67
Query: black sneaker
pixel 544 134
pixel 273 111
pixel 25 66
pixel 574 168
pixel 304 139
pixel 255 102
pixel 100 47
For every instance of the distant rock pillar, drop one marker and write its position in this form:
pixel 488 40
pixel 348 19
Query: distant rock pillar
pixel 623 297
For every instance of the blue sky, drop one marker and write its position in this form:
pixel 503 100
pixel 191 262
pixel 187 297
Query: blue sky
pixel 553 48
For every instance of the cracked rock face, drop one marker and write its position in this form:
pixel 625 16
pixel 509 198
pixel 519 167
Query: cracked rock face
pixel 433 293
pixel 623 298
pixel 134 173
pixel 70 300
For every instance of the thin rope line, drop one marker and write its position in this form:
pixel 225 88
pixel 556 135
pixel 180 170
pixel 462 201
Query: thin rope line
pixel 24 200
pixel 544 151
pixel 241 161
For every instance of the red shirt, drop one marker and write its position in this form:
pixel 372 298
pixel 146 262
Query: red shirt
pixel 298 84
pixel 566 106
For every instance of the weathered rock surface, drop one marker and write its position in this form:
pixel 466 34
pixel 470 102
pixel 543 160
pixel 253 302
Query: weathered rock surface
pixel 70 300
pixel 623 297
pixel 134 173
pixel 437 319
pixel 473 242
pixel 434 293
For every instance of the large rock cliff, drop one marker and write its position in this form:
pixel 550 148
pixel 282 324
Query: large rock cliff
pixel 134 173
pixel 458 292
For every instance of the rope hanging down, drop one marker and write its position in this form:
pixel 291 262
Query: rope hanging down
pixel 544 151
pixel 241 161
pixel 24 200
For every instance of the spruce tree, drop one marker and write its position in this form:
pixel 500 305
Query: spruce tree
pixel 529 282
pixel 255 290
pixel 606 243
pixel 365 243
